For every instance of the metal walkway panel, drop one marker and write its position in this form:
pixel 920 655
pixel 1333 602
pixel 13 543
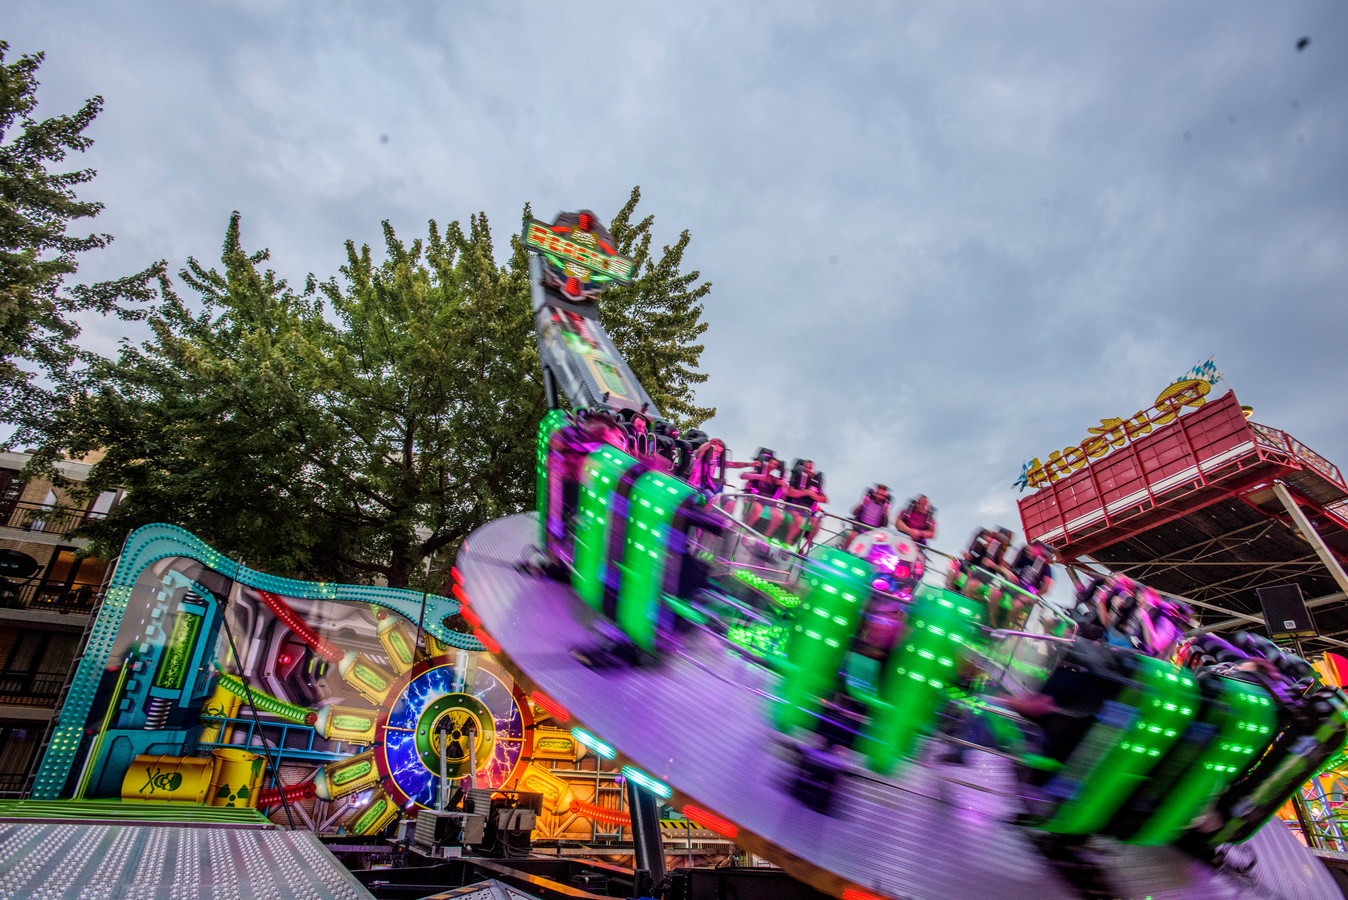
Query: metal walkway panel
pixel 698 722
pixel 44 861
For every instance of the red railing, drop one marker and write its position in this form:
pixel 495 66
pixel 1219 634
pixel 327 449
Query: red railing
pixel 1174 459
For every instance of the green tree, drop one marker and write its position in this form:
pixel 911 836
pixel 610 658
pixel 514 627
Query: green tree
pixel 356 429
pixel 37 208
pixel 655 320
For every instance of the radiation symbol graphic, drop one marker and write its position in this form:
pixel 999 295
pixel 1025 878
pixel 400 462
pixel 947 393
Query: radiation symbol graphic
pixel 479 720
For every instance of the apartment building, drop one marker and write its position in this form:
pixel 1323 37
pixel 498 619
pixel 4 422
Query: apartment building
pixel 46 597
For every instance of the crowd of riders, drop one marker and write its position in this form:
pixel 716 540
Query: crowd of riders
pixel 786 504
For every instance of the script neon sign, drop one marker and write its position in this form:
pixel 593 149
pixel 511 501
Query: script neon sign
pixel 1111 434
pixel 583 250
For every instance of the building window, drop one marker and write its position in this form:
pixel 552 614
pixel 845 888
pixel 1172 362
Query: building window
pixel 18 743
pixel 37 666
pixel 11 489
pixel 102 505
pixel 71 582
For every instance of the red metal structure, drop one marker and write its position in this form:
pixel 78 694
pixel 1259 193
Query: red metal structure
pixel 1194 509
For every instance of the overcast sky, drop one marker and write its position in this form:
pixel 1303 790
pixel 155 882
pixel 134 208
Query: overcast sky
pixel 943 238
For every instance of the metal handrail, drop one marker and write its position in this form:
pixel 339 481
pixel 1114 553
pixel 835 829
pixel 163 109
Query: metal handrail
pixel 76 597
pixel 41 517
pixel 853 524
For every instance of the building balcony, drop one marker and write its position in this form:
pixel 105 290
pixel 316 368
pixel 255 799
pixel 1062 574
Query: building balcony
pixel 43 519
pixel 76 597
pixel 39 689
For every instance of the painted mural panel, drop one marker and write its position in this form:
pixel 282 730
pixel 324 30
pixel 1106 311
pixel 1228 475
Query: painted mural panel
pixel 222 688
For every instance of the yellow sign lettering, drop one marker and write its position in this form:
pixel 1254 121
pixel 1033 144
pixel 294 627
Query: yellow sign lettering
pixel 1111 434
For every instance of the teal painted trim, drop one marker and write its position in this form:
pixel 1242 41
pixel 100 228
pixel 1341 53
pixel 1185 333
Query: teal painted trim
pixel 148 545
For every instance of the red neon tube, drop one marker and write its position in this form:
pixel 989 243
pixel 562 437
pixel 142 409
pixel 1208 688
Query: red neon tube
pixel 282 611
pixel 293 794
pixel 600 813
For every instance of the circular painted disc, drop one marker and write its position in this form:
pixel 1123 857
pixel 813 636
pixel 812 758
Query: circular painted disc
pixel 434 692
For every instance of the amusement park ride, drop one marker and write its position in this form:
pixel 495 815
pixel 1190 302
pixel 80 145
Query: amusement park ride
pixel 822 706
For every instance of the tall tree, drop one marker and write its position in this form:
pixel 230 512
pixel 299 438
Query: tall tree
pixel 363 444
pixel 655 320
pixel 37 209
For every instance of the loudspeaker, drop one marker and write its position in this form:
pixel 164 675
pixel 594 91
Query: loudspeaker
pixel 1285 611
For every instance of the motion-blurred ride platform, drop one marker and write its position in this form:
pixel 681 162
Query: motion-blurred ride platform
pixel 698 722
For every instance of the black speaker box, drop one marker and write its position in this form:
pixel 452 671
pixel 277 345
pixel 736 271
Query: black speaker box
pixel 1285 611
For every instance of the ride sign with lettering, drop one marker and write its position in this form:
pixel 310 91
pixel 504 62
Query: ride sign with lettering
pixel 1111 434
pixel 580 255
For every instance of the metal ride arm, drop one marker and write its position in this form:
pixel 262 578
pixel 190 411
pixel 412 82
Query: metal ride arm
pixel 573 260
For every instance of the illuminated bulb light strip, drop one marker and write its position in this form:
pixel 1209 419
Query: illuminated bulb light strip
pixel 555 709
pixel 459 594
pixel 592 742
pixel 658 788
pixel 723 827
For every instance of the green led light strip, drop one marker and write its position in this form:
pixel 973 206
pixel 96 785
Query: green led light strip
pixel 586 739
pixel 834 585
pixel 598 523
pixel 1247 719
pixel 918 675
pixel 658 788
pixel 145 547
pixel 553 421
pixel 1123 746
pixel 647 560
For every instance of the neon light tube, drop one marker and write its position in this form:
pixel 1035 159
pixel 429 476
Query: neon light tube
pixel 658 788
pixel 589 740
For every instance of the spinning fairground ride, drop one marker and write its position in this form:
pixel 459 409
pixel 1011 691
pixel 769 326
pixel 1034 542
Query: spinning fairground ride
pixel 333 708
pixel 872 735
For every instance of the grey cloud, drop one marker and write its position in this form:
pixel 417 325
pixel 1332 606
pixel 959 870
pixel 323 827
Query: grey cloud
pixel 1025 240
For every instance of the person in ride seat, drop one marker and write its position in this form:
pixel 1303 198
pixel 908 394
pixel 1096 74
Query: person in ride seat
pixel 917 520
pixel 708 471
pixel 975 573
pixel 567 449
pixel 1117 610
pixel 804 494
pixel 872 512
pixel 1032 571
pixel 1158 623
pixel 763 482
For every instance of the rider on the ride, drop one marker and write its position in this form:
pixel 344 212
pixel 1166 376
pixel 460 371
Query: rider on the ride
pixel 708 471
pixel 1032 571
pixel 872 512
pixel 975 574
pixel 567 449
pixel 804 494
pixel 917 520
pixel 1157 624
pixel 763 482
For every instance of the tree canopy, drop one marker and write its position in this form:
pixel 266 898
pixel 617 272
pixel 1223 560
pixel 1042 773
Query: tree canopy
pixel 357 428
pixel 37 252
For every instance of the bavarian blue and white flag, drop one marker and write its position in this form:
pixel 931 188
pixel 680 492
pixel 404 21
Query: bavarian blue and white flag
pixel 1206 371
